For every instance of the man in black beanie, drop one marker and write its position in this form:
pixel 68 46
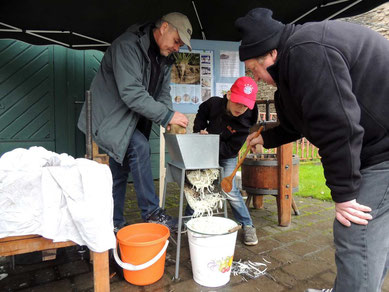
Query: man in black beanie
pixel 333 89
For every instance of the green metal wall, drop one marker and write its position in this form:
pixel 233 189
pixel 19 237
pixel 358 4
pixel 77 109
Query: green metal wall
pixel 42 90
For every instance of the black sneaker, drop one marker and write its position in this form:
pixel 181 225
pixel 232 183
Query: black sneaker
pixel 161 217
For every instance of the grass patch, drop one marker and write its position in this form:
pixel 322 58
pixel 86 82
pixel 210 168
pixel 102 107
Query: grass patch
pixel 312 181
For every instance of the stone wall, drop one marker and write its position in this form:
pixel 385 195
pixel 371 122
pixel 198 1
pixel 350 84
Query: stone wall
pixel 376 19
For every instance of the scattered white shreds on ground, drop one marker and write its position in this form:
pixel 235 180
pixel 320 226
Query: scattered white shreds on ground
pixel 248 269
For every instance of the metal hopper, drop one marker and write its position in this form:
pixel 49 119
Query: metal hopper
pixel 193 151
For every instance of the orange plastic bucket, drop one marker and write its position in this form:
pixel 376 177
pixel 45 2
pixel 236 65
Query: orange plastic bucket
pixel 143 252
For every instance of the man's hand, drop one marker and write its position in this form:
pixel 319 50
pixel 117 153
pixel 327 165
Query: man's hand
pixel 351 211
pixel 253 142
pixel 179 119
pixel 203 132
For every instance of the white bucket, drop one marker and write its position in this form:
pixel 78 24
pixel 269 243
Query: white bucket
pixel 211 249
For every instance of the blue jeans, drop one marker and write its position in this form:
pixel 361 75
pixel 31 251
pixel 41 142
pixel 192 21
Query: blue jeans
pixel 137 160
pixel 238 206
pixel 362 252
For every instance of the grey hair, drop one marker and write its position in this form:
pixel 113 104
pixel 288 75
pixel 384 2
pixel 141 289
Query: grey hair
pixel 260 59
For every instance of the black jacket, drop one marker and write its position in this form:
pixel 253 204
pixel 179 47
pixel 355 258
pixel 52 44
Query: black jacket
pixel 213 117
pixel 333 88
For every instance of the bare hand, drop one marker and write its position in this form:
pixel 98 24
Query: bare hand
pixel 351 211
pixel 252 142
pixel 179 119
pixel 203 132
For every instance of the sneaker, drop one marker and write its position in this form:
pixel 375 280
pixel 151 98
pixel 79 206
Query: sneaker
pixel 318 290
pixel 116 228
pixel 161 217
pixel 249 235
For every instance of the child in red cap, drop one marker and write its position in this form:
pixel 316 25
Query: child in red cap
pixel 231 117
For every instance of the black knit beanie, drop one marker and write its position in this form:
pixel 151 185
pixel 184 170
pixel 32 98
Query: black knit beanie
pixel 260 33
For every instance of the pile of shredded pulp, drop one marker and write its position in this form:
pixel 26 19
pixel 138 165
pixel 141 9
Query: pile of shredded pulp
pixel 200 191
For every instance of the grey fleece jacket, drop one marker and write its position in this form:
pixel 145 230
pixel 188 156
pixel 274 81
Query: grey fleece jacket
pixel 333 88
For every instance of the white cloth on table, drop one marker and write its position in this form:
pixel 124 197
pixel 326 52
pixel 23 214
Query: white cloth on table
pixel 57 197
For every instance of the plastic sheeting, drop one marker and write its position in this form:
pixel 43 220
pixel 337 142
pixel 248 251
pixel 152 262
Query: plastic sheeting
pixel 57 197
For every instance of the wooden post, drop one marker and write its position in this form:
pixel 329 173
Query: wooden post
pixel 284 198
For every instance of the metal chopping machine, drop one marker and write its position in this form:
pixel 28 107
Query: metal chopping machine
pixel 189 152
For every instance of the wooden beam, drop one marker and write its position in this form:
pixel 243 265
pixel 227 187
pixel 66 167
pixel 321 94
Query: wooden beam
pixel 23 244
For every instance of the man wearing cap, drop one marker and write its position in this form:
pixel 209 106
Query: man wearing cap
pixel 130 91
pixel 333 89
pixel 231 117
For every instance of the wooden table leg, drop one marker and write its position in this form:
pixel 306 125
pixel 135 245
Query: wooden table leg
pixel 101 271
pixel 294 207
pixel 248 200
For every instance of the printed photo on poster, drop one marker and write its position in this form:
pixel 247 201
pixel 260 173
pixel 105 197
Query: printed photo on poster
pixel 206 59
pixel 205 93
pixel 222 88
pixel 186 69
pixel 206 81
pixel 191 78
pixel 184 94
pixel 206 70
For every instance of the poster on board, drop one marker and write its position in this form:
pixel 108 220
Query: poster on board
pixel 192 77
pixel 229 64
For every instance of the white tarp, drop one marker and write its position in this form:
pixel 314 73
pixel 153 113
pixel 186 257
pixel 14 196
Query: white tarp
pixel 57 197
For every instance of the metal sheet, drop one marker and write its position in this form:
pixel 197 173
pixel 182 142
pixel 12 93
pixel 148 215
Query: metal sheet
pixel 193 151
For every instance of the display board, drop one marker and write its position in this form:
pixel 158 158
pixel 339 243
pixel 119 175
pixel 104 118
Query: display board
pixel 208 70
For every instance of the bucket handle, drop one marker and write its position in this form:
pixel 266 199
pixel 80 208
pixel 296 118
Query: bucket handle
pixel 131 267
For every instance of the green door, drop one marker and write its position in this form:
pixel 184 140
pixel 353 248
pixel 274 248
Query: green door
pixel 26 90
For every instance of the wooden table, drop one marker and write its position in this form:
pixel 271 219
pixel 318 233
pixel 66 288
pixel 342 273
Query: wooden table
pixel 14 245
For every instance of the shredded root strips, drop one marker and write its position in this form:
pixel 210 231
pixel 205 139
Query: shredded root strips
pixel 202 180
pixel 249 269
pixel 201 196
pixel 202 206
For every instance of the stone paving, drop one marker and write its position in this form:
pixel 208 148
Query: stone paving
pixel 301 256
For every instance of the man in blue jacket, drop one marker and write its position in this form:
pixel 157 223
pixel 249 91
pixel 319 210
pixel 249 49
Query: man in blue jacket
pixel 332 81
pixel 130 91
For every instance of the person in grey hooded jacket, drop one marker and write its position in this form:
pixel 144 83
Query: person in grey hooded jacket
pixel 333 89
pixel 130 91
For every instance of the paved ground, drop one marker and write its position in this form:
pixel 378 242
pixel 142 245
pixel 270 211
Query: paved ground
pixel 300 256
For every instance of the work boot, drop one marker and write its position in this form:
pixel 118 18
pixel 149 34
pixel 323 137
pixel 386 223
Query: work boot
pixel 318 290
pixel 249 235
pixel 159 216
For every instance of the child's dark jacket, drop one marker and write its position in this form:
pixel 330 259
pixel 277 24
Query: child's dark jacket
pixel 213 117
